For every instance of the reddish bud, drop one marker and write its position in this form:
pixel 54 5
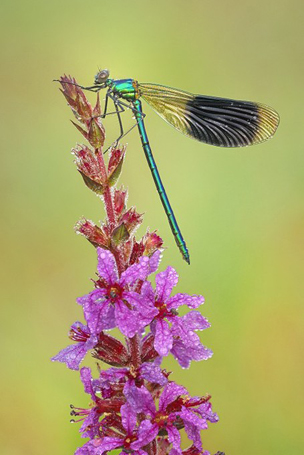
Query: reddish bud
pixel 148 352
pixel 132 219
pixel 111 351
pixel 151 242
pixel 93 233
pixel 88 165
pixel 163 446
pixel 76 99
pixel 120 200
pixel 115 164
pixel 137 251
pixel 126 250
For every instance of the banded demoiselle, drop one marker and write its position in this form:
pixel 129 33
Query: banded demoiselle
pixel 215 121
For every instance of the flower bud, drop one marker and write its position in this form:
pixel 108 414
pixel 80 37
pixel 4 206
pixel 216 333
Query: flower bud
pixel 115 164
pixel 111 351
pixel 76 99
pixel 120 200
pixel 93 233
pixel 151 242
pixel 132 219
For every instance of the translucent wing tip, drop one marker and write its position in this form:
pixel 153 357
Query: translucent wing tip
pixel 267 123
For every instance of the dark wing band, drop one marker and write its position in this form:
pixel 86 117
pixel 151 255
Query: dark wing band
pixel 216 121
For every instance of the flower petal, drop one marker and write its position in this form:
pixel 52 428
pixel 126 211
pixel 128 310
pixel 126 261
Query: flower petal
pixel 128 418
pixel 86 379
pixel 87 449
pixel 196 321
pixel 126 319
pixel 184 353
pixel 142 306
pixel 205 410
pixel 112 375
pixel 138 271
pixel 194 434
pixel 163 338
pixel 165 282
pixel 90 426
pixel 192 301
pixel 106 266
pixel 95 309
pixel 106 444
pixel 73 355
pixel 174 436
pixel 139 399
pixel 145 434
pixel 147 291
pixel 170 393
pixel 153 373
pixel 154 261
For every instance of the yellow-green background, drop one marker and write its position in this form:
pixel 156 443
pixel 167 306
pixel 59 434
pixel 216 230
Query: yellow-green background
pixel 240 210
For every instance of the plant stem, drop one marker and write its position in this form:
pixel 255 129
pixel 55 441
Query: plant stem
pixel 135 351
pixel 107 195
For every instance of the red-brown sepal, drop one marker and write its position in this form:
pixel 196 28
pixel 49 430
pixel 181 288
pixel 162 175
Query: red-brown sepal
pixel 148 352
pixel 120 200
pixel 93 233
pixel 115 164
pixel 76 99
pixel 132 219
pixel 111 351
pixel 137 251
pixel 152 242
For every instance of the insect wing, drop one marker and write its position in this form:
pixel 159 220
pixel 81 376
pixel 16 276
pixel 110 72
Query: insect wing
pixel 215 121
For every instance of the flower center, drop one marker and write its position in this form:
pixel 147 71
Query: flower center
pixel 128 441
pixel 76 334
pixel 114 292
pixel 163 310
pixel 161 419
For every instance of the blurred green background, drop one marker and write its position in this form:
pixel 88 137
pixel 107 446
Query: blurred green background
pixel 239 210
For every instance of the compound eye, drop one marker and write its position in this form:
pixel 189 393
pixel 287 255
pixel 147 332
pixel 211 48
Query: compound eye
pixel 102 76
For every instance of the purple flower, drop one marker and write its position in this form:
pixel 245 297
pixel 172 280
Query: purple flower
pixel 74 354
pixel 149 371
pixel 115 303
pixel 186 344
pixel 174 411
pixel 133 439
pixel 92 426
pixel 171 331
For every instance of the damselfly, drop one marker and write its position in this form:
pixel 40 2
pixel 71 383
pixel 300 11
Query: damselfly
pixel 216 121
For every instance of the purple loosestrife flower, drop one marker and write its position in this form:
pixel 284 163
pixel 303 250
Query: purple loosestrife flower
pixel 92 426
pixel 131 441
pixel 114 303
pixel 73 355
pixel 127 377
pixel 172 332
pixel 173 414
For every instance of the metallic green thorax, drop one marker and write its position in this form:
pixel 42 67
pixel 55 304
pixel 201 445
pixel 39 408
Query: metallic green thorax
pixel 124 88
